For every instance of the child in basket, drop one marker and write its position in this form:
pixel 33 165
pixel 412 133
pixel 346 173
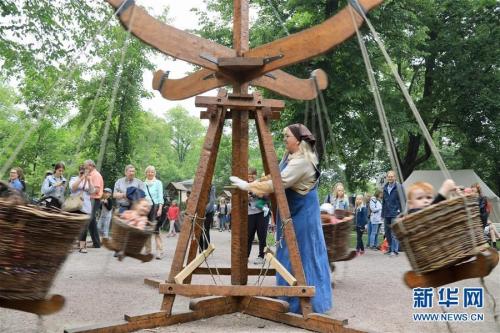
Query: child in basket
pixel 420 195
pixel 137 217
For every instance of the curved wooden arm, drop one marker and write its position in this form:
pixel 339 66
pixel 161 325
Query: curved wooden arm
pixel 169 40
pixel 290 86
pixel 204 80
pixel 311 42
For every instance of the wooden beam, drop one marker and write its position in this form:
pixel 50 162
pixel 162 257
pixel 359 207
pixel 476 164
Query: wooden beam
pixel 155 283
pixel 271 304
pixel 227 271
pixel 311 42
pixel 240 63
pixel 215 290
pixel 240 104
pixel 169 40
pixel 290 86
pixel 204 80
pixel 239 200
pixel 195 263
pixel 273 262
pixel 212 302
pixel 197 200
pixel 284 210
pixel 155 319
pixel 314 322
pixel 273 115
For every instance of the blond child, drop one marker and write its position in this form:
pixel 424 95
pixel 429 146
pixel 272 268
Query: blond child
pixel 137 217
pixel 421 194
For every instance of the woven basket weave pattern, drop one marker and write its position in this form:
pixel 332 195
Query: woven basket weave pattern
pixel 34 242
pixel 134 238
pixel 441 235
pixel 337 237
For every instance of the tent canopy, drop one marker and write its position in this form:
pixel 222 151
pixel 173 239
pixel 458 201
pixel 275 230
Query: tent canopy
pixel 462 178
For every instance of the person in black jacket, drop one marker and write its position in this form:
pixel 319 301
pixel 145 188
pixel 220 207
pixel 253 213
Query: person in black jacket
pixel 361 219
pixel 391 208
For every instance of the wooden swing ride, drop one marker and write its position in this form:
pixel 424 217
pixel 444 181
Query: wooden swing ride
pixel 238 67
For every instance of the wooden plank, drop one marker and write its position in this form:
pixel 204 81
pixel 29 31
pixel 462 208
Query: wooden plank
pixel 169 40
pixel 274 202
pixel 227 271
pixel 311 42
pixel 155 319
pixel 194 84
pixel 204 80
pixel 215 290
pixel 239 200
pixel 195 263
pixel 289 232
pixel 271 304
pixel 285 274
pixel 212 148
pixel 146 316
pixel 197 200
pixel 290 86
pixel 313 322
pixel 274 115
pixel 155 283
pixel 240 63
pixel 240 104
pixel 211 302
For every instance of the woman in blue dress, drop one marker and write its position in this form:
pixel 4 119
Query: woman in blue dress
pixel 300 175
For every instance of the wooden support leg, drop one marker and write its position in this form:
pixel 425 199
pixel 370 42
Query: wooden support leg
pixel 239 201
pixel 289 232
pixel 197 200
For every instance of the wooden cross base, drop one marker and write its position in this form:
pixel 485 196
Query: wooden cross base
pixel 206 307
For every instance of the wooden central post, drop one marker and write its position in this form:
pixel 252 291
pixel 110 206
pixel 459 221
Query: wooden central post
pixel 239 209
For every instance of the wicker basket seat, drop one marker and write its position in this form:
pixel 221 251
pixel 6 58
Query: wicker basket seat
pixel 337 238
pixel 441 235
pixel 128 240
pixel 34 242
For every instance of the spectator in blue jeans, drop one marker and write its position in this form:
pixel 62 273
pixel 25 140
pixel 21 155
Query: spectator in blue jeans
pixel 361 219
pixel 392 206
pixel 375 219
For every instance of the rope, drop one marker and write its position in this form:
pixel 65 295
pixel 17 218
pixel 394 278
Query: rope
pixel 408 98
pixel 391 149
pixel 324 109
pixel 276 13
pixel 193 235
pixel 60 83
pixel 492 298
pixel 104 138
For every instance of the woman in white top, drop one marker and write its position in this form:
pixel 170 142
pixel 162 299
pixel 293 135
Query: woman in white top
pixel 54 185
pixel 300 176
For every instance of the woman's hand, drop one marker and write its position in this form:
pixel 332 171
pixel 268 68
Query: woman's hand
pixel 239 183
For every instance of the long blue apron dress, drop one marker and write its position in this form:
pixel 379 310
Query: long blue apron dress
pixel 305 213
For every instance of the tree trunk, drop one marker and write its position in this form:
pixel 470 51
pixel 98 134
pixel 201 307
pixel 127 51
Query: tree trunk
pixel 412 160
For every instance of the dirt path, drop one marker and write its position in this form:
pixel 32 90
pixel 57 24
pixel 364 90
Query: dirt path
pixel 369 293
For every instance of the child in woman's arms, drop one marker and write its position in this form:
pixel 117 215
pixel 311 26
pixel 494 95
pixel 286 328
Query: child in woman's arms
pixel 137 217
pixel 420 194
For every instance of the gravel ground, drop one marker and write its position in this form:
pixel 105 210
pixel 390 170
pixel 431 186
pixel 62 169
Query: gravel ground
pixel 369 292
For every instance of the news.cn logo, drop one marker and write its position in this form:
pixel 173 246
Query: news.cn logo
pixel 423 298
